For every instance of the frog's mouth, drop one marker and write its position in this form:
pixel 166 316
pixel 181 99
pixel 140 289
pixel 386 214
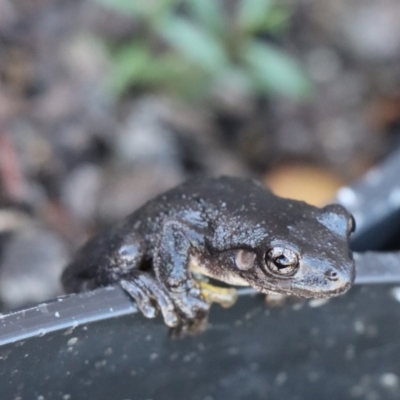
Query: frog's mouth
pixel 319 294
pixel 212 289
pixel 323 287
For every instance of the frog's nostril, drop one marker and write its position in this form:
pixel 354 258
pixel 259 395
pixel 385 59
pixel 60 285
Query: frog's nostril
pixel 332 275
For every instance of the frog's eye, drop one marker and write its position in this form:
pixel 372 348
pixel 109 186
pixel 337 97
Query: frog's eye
pixel 282 261
pixel 244 260
pixel 351 225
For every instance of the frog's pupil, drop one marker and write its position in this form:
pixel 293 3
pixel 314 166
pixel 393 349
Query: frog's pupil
pixel 282 261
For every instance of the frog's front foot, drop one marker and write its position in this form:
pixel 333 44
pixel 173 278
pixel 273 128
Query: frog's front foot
pixel 193 310
pixel 150 297
pixel 184 311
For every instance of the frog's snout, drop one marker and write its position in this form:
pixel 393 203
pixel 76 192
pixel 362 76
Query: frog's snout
pixel 325 281
pixel 332 275
pixel 342 277
pixel 338 281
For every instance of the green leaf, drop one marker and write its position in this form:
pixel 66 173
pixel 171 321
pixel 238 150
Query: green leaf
pixel 139 8
pixel 209 14
pixel 123 6
pixel 275 71
pixel 193 43
pixel 136 65
pixel 252 14
pixel 277 20
pixel 130 66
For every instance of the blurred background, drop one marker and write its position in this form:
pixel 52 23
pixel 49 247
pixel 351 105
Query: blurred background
pixel 106 103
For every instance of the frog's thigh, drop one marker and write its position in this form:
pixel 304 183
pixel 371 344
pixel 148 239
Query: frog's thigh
pixel 131 251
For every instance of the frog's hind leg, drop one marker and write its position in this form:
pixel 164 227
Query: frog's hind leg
pixel 104 260
pixel 150 296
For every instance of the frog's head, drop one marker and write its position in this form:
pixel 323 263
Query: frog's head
pixel 306 254
pixel 311 259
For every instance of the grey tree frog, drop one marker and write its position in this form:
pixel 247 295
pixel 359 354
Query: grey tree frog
pixel 168 254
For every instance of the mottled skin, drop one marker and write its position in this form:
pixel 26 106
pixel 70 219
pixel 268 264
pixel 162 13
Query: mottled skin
pixel 206 222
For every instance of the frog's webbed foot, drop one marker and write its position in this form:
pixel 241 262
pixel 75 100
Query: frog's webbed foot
pixel 150 297
pixel 194 306
pixel 184 311
pixel 193 311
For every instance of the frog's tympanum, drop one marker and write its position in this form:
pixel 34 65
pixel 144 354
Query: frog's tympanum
pixel 168 254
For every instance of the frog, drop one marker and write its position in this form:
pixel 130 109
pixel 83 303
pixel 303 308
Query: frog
pixel 195 244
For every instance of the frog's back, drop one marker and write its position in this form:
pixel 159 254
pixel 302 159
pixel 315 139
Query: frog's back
pixel 203 193
pixel 205 198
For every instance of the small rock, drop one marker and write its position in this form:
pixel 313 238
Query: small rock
pixel 32 261
pixel 312 184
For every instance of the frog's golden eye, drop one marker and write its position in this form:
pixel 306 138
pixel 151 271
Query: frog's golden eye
pixel 351 225
pixel 281 261
pixel 244 259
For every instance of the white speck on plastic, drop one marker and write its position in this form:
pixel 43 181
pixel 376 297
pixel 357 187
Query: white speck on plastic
pixel 350 352
pixel 66 396
pixel 42 332
pixel 153 356
pixel 359 327
pixel 254 366
pixel 281 378
pixel 100 364
pixel 313 376
pixel 314 303
pixel 108 352
pixel 72 341
pixel 389 380
pixel 70 330
pixel 347 197
pixel 43 308
pixel 57 314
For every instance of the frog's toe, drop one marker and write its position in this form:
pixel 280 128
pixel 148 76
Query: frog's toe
pixel 160 295
pixel 142 299
pixel 151 296
pixel 192 326
pixel 191 305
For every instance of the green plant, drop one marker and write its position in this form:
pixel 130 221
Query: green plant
pixel 187 47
